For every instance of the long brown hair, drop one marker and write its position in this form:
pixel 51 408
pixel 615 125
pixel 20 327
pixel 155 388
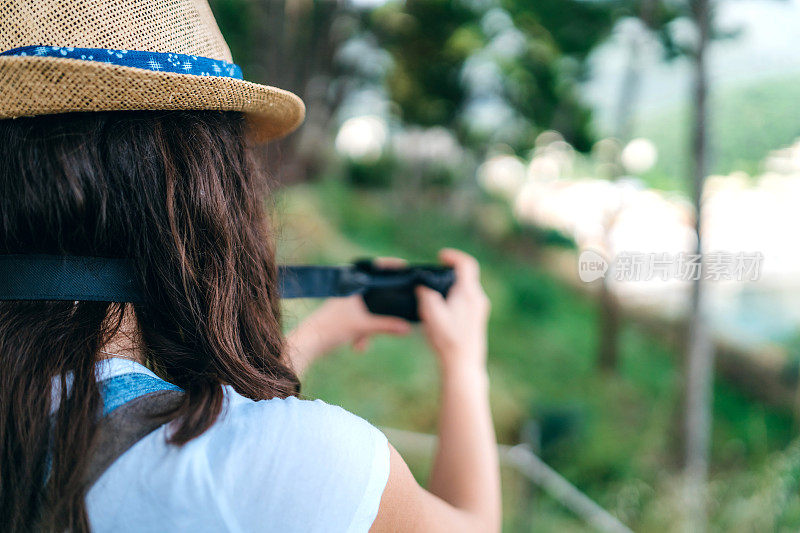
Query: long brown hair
pixel 178 194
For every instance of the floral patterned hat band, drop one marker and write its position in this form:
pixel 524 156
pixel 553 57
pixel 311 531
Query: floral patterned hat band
pixel 154 61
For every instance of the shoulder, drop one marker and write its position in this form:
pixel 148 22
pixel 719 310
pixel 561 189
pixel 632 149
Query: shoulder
pixel 293 417
pixel 319 429
pixel 286 464
pixel 316 461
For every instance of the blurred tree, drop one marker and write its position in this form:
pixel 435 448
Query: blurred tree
pixel 568 30
pixel 491 72
pixel 291 44
pixel 515 62
pixel 429 42
pixel 699 356
pixel 648 18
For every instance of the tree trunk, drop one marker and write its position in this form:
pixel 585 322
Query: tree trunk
pixel 293 44
pixel 609 325
pixel 699 366
pixel 608 356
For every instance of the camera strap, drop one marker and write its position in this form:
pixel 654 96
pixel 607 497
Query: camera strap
pixel 101 279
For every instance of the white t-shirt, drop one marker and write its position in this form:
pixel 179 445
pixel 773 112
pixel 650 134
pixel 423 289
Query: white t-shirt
pixel 273 465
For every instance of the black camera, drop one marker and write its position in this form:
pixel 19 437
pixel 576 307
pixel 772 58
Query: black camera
pixel 386 290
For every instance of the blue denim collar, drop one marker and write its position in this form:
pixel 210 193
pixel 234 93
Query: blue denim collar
pixel 121 389
pixel 122 380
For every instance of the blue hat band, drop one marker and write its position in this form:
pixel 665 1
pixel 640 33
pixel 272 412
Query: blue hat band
pixel 153 61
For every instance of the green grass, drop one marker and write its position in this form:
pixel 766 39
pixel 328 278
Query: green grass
pixel 746 122
pixel 613 436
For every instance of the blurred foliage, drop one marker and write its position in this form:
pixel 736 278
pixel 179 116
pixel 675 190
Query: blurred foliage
pixel 371 174
pixel 658 16
pixel 539 49
pixel 574 27
pixel 429 41
pixel 448 57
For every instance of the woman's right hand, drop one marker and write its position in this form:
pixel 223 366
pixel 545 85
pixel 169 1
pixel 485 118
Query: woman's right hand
pixel 456 326
pixel 465 475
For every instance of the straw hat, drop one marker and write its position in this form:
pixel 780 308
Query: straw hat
pixel 59 56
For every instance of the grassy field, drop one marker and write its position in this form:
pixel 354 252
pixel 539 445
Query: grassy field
pixel 614 436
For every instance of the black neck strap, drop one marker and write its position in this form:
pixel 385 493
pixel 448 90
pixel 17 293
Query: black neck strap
pixel 50 277
pixel 99 279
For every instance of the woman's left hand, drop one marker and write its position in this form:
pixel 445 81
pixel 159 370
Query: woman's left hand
pixel 337 322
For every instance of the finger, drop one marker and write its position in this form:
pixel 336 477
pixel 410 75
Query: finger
pixel 389 262
pixel 431 306
pixel 466 267
pixel 389 324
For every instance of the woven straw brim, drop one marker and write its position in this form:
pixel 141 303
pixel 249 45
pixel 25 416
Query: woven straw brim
pixel 47 85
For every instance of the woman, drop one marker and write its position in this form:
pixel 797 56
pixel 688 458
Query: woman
pixel 135 157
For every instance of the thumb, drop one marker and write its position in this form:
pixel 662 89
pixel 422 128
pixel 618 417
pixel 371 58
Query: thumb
pixel 430 304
